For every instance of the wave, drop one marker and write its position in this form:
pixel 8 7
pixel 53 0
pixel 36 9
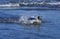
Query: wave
pixel 10 5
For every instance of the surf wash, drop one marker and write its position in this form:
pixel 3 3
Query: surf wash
pixel 9 5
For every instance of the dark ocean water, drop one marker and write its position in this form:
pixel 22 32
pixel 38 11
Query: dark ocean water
pixel 49 28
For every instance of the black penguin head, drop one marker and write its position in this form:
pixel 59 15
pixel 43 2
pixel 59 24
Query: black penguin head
pixel 38 18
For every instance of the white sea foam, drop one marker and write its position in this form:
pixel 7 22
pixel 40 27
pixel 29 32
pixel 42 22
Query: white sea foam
pixel 9 5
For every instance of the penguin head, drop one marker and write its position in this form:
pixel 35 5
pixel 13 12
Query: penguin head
pixel 38 17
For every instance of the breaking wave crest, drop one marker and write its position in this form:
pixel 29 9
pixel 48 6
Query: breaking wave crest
pixel 9 5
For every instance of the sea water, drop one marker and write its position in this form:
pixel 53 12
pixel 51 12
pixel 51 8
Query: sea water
pixel 48 29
